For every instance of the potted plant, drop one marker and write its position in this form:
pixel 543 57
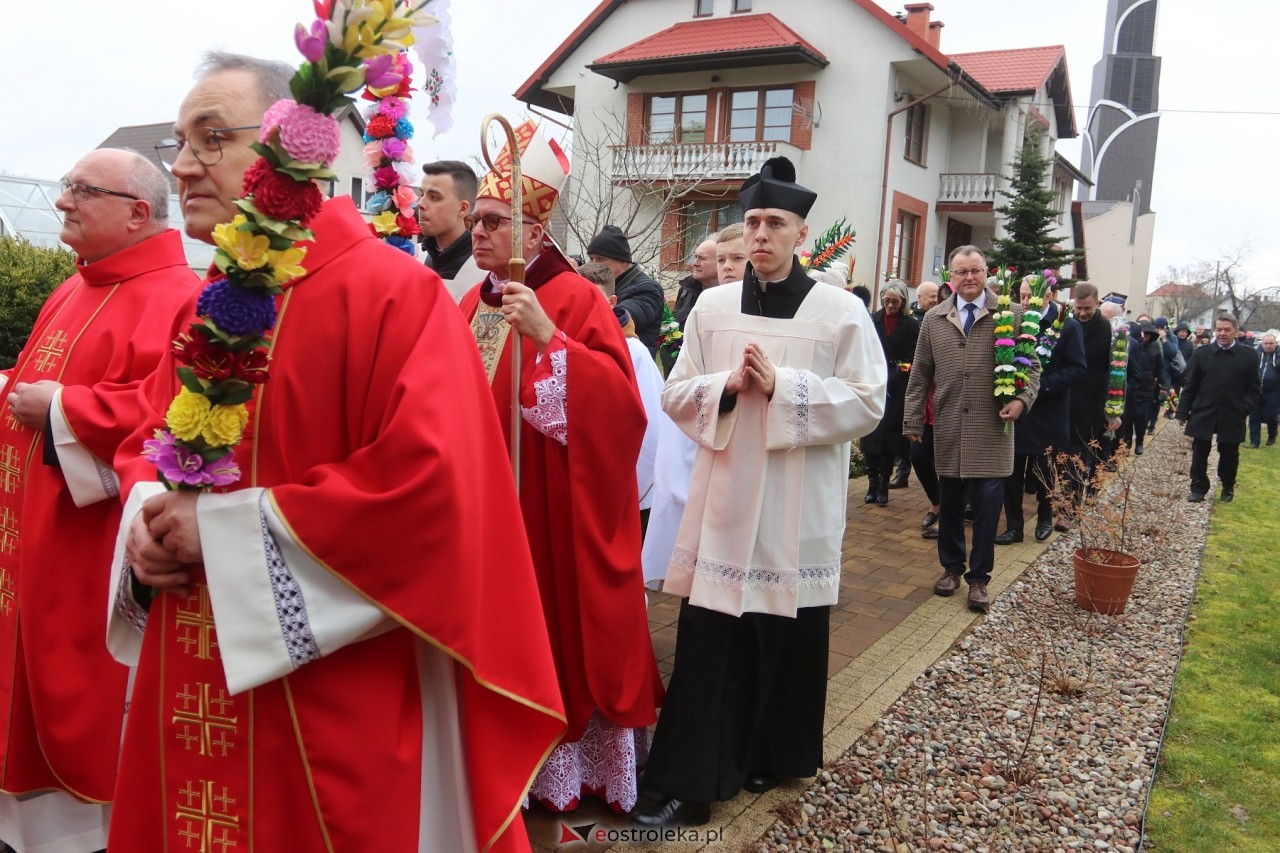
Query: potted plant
pixel 1099 510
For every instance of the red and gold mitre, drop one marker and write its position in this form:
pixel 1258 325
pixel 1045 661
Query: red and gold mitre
pixel 543 169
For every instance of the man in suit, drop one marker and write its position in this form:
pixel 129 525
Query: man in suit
pixel 1222 387
pixel 973 446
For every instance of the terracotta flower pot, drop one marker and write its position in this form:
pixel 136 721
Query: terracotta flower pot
pixel 1104 579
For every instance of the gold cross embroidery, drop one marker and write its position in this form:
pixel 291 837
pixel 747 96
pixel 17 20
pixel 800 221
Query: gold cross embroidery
pixel 208 819
pixel 205 719
pixel 50 350
pixel 8 531
pixel 11 421
pixel 194 623
pixel 6 592
pixel 10 468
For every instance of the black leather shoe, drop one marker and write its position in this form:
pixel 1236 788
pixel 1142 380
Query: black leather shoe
pixel 758 783
pixel 929 532
pixel 1228 495
pixel 1009 537
pixel 929 520
pixel 1196 498
pixel 882 495
pixel 1043 532
pixel 673 812
pixel 898 482
pixel 1137 450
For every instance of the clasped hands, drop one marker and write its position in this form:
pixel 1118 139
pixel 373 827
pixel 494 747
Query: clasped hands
pixel 164 541
pixel 755 370
pixel 30 401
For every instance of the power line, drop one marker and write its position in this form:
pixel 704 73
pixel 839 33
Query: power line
pixel 1085 108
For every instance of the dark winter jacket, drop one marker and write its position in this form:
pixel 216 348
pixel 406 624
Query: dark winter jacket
pixel 1047 424
pixel 1222 387
pixel 642 298
pixel 1089 396
pixel 1147 372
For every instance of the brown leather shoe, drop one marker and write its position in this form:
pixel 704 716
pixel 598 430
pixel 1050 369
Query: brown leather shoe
pixel 947 584
pixel 978 598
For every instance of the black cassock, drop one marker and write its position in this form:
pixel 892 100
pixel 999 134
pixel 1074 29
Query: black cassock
pixel 748 693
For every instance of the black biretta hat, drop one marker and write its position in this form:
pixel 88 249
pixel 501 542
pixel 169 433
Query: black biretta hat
pixel 776 186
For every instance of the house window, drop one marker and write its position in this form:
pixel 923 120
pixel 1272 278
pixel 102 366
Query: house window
pixel 916 126
pixel 701 220
pixel 906 236
pixel 761 115
pixel 357 192
pixel 703 8
pixel 742 5
pixel 677 118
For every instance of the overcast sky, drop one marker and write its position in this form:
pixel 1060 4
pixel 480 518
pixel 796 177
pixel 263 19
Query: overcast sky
pixel 87 66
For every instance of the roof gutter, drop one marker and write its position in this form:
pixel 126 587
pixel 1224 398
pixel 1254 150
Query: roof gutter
pixel 884 183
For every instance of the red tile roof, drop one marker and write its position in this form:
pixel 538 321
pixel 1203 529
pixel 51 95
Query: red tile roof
pixel 1021 70
pixel 713 35
pixel 1172 290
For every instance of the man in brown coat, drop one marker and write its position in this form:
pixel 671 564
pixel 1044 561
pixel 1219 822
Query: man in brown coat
pixel 973 433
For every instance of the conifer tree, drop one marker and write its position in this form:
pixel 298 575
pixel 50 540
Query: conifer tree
pixel 1030 217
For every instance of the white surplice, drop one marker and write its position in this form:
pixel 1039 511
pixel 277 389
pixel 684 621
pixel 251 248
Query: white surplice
pixel 781 464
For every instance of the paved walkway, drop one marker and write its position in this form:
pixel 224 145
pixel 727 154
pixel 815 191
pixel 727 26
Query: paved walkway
pixel 886 630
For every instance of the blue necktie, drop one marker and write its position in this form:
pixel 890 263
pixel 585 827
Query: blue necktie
pixel 971 314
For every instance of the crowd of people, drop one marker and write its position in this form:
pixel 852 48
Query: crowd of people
pixel 421 606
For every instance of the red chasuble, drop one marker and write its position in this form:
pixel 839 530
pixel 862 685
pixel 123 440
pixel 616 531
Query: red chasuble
pixel 581 509
pixel 379 449
pixel 61 695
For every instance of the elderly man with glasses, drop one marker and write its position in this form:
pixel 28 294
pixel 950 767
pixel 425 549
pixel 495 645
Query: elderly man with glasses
pixel 973 428
pixel 333 653
pixel 581 429
pixel 70 404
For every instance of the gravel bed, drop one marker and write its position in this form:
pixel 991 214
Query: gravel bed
pixel 1039 730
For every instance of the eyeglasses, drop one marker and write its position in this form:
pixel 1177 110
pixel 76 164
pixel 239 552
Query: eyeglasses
pixel 978 271
pixel 491 221
pixel 83 192
pixel 205 144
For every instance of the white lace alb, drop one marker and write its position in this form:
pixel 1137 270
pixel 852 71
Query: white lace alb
pixel 604 763
pixel 551 414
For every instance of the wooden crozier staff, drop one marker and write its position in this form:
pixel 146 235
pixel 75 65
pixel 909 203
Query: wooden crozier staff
pixel 515 269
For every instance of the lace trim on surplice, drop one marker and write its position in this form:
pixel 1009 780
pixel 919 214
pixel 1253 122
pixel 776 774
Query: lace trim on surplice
pixel 729 576
pixel 291 607
pixel 133 612
pixel 604 763
pixel 798 434
pixel 700 394
pixel 551 414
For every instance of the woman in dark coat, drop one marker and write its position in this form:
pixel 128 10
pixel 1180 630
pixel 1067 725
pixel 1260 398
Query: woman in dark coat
pixel 898 332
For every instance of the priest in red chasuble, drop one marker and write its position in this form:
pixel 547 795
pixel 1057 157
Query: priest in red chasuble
pixel 338 652
pixel 70 402
pixel 582 427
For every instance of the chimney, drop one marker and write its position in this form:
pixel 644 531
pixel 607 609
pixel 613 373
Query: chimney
pixel 918 18
pixel 935 33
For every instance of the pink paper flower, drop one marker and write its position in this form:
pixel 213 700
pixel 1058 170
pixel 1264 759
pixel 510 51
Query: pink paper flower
pixel 393 108
pixel 310 137
pixel 381 71
pixel 404 199
pixel 392 148
pixel 373 154
pixel 274 117
pixel 386 177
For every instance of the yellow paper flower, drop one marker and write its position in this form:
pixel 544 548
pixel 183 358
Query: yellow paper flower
pixel 286 265
pixel 247 249
pixel 224 425
pixel 385 222
pixel 187 414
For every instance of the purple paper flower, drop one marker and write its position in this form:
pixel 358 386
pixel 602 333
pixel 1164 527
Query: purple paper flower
pixel 393 148
pixel 237 310
pixel 1023 360
pixel 182 466
pixel 311 43
pixel 393 108
pixel 381 71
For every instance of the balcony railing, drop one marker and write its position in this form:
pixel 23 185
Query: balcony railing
pixel 694 161
pixel 967 188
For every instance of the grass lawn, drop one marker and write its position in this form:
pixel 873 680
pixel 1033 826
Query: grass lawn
pixel 1218 781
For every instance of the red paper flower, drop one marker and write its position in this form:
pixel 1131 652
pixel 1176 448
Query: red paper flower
pixel 408 225
pixel 380 127
pixel 209 360
pixel 282 198
pixel 250 366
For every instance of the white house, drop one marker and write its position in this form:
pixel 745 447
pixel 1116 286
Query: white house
pixel 906 143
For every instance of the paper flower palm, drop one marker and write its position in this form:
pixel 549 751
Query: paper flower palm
pixel 224 354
